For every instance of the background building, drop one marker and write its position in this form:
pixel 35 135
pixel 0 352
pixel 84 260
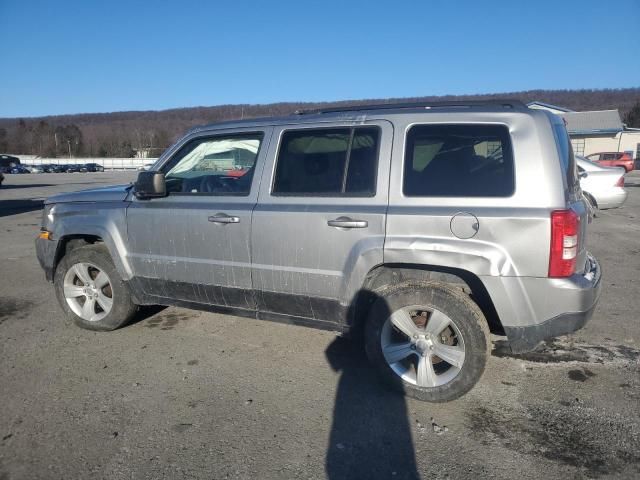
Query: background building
pixel 596 131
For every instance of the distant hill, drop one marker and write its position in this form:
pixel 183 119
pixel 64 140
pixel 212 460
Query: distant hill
pixel 117 134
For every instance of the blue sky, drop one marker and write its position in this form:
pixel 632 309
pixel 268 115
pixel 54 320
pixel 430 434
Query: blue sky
pixel 100 56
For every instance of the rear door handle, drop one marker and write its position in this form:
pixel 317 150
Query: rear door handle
pixel 346 222
pixel 223 218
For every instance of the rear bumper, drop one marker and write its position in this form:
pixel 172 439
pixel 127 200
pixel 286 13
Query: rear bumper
pixel 613 199
pixel 526 339
pixel 535 309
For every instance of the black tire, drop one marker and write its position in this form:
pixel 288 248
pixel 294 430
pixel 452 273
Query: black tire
pixel 123 307
pixel 455 304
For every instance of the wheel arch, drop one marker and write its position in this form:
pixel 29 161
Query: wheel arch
pixel 591 199
pixel 389 274
pixel 69 242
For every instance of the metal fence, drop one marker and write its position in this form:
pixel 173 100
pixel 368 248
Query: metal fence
pixel 107 163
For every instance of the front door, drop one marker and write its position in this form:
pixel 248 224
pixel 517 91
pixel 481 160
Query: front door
pixel 194 244
pixel 319 224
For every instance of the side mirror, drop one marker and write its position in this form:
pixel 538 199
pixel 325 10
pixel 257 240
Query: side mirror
pixel 583 174
pixel 150 185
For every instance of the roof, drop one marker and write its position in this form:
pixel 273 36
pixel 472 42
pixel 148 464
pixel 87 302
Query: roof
pixel 548 106
pixel 499 103
pixel 600 121
pixel 359 112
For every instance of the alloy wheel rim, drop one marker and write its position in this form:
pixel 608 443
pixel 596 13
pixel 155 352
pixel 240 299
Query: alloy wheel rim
pixel 88 291
pixel 423 346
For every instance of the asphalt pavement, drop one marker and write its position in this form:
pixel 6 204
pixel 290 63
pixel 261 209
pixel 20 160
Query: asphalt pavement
pixel 187 394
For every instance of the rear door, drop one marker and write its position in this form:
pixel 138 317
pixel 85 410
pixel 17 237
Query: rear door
pixel 319 225
pixel 194 244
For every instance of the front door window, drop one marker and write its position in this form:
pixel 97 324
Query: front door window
pixel 214 166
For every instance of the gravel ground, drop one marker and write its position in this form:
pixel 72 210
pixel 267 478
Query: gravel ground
pixel 188 394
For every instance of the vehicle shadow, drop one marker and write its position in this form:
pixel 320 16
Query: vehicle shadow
pixel 14 207
pixel 145 312
pixel 370 434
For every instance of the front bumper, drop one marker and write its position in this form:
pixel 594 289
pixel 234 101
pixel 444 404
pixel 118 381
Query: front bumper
pixel 575 298
pixel 46 251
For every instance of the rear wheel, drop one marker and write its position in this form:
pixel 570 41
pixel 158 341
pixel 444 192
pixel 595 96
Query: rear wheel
pixel 90 290
pixel 429 340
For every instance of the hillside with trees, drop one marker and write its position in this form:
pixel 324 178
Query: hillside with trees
pixel 120 134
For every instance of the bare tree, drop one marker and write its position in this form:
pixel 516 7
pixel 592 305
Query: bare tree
pixel 119 133
pixel 4 141
pixel 632 118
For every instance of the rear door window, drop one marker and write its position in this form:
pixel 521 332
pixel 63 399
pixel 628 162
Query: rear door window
pixel 458 161
pixel 328 162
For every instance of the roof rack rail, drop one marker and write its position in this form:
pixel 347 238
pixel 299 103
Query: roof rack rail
pixel 513 104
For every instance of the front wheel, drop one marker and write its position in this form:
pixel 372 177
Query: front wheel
pixel 90 290
pixel 428 340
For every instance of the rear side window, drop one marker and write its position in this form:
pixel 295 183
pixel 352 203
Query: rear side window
pixel 567 160
pixel 458 161
pixel 328 162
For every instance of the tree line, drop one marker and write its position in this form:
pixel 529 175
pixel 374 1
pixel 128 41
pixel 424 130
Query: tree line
pixel 121 134
pixel 69 140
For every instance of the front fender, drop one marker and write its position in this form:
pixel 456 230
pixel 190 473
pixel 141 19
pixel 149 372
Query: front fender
pixel 106 220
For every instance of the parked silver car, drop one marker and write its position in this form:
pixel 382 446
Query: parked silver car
pixel 603 186
pixel 426 226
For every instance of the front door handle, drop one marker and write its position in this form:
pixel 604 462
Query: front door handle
pixel 223 218
pixel 346 222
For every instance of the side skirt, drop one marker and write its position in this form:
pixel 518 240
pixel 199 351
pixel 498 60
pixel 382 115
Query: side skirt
pixel 291 309
pixel 247 313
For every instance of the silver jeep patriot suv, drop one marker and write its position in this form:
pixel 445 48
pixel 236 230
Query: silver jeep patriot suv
pixel 423 227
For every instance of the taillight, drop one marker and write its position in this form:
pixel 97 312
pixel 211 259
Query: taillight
pixel 565 227
pixel 620 182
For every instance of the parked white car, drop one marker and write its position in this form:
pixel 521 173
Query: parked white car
pixel 603 186
pixel 34 168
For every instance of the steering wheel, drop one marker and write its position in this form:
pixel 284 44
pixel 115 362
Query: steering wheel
pixel 216 184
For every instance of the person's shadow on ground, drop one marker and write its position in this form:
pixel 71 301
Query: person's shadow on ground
pixel 370 436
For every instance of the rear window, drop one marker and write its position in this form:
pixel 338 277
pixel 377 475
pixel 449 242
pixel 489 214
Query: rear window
pixel 328 162
pixel 458 161
pixel 565 151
